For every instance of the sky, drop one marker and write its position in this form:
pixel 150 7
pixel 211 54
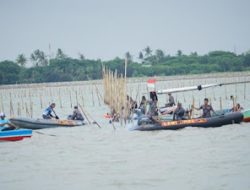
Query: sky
pixel 105 29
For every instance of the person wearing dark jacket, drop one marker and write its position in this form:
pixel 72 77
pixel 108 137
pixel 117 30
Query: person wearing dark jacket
pixel 179 112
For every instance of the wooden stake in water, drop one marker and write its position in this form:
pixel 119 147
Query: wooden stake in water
pixel 70 99
pixel 60 100
pixel 2 103
pixel 245 91
pixel 27 110
pixel 41 101
pixel 11 107
pixel 31 109
pixel 18 109
pixel 220 103
pixel 82 100
pixel 92 92
pixel 76 97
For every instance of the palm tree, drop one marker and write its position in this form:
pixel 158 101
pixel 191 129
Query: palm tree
pixel 179 53
pixel 60 54
pixel 81 56
pixel 140 55
pixel 129 57
pixel 39 58
pixel 21 60
pixel 159 54
pixel 148 51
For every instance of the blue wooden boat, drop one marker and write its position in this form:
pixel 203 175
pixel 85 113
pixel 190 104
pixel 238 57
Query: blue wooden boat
pixel 15 134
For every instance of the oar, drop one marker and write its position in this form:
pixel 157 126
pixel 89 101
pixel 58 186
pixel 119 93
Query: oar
pixel 84 114
pixel 55 114
pixel 94 121
pixel 41 133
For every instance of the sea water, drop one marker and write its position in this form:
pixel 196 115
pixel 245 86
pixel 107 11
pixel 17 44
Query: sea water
pixel 112 157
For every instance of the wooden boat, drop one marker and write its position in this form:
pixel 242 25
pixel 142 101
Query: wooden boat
pixel 146 124
pixel 29 123
pixel 14 135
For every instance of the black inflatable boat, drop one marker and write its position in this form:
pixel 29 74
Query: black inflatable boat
pixel 144 123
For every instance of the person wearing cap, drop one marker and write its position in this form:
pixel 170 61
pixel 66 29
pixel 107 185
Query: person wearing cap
pixel 77 115
pixel 5 123
pixel 47 114
pixel 206 108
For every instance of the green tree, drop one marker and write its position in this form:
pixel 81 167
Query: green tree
pixel 140 55
pixel 179 53
pixel 159 54
pixel 39 58
pixel 148 51
pixel 81 56
pixel 21 60
pixel 129 57
pixel 60 54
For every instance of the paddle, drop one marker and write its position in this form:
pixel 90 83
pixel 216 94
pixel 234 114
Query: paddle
pixel 41 133
pixel 94 121
pixel 55 114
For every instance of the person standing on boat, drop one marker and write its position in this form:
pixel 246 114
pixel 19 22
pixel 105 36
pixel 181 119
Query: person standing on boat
pixel 206 108
pixel 153 109
pixel 77 115
pixel 143 105
pixel 47 114
pixel 5 124
pixel 171 101
pixel 179 112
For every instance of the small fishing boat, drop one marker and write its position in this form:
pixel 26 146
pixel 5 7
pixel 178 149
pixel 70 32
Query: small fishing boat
pixel 15 134
pixel 144 123
pixel 29 123
pixel 246 115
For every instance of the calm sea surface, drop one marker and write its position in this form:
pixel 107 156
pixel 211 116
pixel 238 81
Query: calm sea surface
pixel 92 158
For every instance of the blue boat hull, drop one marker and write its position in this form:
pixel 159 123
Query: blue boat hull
pixel 14 135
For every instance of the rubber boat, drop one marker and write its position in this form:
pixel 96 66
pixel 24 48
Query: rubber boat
pixel 14 135
pixel 29 123
pixel 246 114
pixel 144 123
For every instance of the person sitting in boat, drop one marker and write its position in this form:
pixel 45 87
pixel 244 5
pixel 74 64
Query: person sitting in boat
pixel 179 112
pixel 206 108
pixel 171 101
pixel 77 115
pixel 237 108
pixel 47 114
pixel 143 105
pixel 5 124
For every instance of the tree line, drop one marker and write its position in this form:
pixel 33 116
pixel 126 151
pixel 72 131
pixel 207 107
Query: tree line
pixel 61 67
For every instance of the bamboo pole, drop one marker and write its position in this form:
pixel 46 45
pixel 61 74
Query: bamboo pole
pixel 70 98
pixel 11 107
pixel 60 100
pixel 220 103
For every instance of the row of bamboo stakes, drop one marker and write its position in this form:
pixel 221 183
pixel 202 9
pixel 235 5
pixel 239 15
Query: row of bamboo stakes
pixel 115 94
pixel 24 101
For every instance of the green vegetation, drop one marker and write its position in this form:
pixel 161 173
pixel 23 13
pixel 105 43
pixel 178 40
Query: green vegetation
pixel 157 63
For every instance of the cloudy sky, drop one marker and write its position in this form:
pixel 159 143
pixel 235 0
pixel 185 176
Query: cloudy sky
pixel 109 28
